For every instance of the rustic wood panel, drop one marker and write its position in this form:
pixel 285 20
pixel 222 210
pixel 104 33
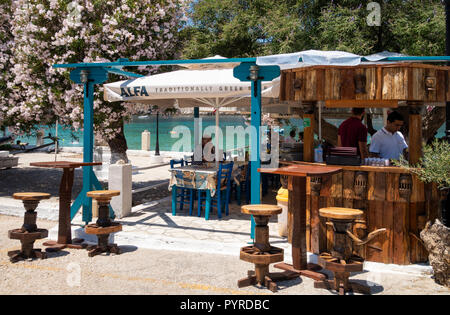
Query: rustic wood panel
pixel 300 93
pixel 392 181
pixel 402 81
pixel 402 218
pixel 348 184
pixel 320 84
pixel 401 236
pixel 414 231
pixel 417 215
pixel 347 84
pixel 283 85
pixel 379 92
pixel 361 103
pixel 388 224
pixel 440 85
pixel 418 86
pixel 417 190
pixel 308 221
pixel 311 85
pixel 394 87
pixel 290 90
pixel 323 239
pixel 336 186
pixel 415 138
pixel 315 225
pixel 376 184
pixel 374 250
pixel 332 84
pixel 361 229
pixel 430 94
pixel 371 83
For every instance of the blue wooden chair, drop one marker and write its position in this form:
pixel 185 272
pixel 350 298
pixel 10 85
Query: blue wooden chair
pixel 181 195
pixel 221 198
pixel 244 186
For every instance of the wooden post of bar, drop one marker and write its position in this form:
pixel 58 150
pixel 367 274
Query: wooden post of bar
pixel 415 131
pixel 308 131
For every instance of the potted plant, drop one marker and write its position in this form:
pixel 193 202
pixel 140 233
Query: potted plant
pixel 434 167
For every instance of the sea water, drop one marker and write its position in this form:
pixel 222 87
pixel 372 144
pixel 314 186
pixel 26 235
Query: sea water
pixel 167 136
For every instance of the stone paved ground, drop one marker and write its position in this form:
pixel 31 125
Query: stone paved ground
pixel 163 254
pixel 160 271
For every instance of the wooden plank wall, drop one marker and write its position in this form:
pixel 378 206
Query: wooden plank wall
pixel 382 82
pixel 383 207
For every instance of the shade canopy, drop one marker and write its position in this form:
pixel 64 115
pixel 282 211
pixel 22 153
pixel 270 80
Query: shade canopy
pixel 191 88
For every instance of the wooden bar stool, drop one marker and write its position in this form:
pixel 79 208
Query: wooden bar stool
pixel 342 260
pixel 104 226
pixel 262 253
pixel 29 232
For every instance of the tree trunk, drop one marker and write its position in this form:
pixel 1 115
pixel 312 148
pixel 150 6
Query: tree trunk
pixel 432 121
pixel 118 146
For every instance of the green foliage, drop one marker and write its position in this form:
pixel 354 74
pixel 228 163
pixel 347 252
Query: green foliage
pixel 238 28
pixel 434 166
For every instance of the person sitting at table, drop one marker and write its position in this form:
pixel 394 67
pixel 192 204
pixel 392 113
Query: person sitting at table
pixel 291 137
pixel 208 149
pixel 388 142
pixel 353 133
pixel 300 136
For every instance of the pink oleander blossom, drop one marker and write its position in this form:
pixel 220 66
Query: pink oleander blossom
pixel 48 32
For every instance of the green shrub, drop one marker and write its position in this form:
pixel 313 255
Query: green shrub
pixel 434 166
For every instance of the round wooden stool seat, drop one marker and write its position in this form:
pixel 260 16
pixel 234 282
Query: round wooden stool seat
pixel 263 209
pixel 103 194
pixel 340 213
pixel 31 196
pixel 100 230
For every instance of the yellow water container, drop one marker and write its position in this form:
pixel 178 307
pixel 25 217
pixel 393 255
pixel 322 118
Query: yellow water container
pixel 282 200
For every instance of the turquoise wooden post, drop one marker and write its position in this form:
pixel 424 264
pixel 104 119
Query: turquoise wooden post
pixel 255 192
pixel 88 76
pixel 88 154
pixel 247 71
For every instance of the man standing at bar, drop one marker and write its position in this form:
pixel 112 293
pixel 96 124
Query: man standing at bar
pixel 353 133
pixel 388 142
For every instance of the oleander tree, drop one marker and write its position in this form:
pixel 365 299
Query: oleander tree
pixel 6 44
pixel 48 32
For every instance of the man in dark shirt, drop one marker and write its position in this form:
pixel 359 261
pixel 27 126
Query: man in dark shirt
pixel 353 133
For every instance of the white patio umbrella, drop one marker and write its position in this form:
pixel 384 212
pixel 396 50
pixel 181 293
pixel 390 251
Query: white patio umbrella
pixel 190 88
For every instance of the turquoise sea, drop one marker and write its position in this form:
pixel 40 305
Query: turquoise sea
pixel 167 138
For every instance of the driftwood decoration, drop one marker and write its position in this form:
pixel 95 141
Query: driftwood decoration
pixel 360 184
pixel 405 186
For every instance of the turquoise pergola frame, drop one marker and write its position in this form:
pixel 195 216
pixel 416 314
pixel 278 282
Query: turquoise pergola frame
pixel 90 74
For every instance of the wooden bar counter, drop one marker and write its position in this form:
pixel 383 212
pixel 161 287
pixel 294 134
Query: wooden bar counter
pixel 390 198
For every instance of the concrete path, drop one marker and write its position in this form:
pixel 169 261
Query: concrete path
pixel 165 254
